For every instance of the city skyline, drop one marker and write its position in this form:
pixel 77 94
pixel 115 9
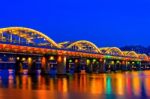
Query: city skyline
pixel 105 23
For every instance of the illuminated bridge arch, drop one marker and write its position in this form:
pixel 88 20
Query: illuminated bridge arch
pixel 21 35
pixel 84 45
pixel 143 56
pixel 131 54
pixel 112 51
pixel 63 44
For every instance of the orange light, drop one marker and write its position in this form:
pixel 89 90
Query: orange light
pixel 43 61
pixel 76 61
pixel 59 59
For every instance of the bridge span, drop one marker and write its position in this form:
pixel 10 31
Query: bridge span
pixel 25 50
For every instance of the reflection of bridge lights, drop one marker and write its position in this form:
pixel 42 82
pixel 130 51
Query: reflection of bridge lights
pixel 25 71
pixel 65 87
pixel 108 85
pixel 11 71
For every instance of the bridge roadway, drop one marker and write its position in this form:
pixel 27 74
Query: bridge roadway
pixel 26 50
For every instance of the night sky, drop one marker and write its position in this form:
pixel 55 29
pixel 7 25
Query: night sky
pixel 103 22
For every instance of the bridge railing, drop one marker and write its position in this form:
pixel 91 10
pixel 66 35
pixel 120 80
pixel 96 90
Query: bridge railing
pixel 49 47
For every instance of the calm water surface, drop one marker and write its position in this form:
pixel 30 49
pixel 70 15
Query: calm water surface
pixel 128 85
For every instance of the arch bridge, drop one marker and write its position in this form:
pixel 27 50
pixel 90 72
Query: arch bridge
pixel 20 46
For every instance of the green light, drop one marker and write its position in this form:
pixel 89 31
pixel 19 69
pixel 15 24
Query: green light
pixel 108 56
pixel 70 61
pixel 108 85
pixel 118 61
pixel 138 62
pixel 94 60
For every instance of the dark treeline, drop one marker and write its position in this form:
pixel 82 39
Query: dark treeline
pixel 137 48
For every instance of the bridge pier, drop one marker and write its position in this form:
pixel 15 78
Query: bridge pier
pixel 118 65
pixel 123 65
pixel 34 65
pixel 138 65
pixel 53 64
pixel 72 65
pixel 61 65
pixel 82 66
pixel 94 65
pixel 114 65
pixel 19 64
pixel 110 65
pixel 102 65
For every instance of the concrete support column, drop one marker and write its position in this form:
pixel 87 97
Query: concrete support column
pixel 83 65
pixel 123 65
pixel 103 66
pixel 133 65
pixel 113 65
pixel 128 65
pixel 44 61
pixel 89 66
pixel 71 65
pixel 95 65
pixel 118 65
pixel 61 64
pixel 77 65
pixel 138 65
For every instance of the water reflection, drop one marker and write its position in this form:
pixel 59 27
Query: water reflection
pixel 89 86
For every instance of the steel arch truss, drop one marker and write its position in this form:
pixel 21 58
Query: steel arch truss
pixel 132 54
pixel 112 51
pixel 84 45
pixel 21 35
pixel 143 56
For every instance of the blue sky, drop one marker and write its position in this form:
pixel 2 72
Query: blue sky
pixel 103 22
